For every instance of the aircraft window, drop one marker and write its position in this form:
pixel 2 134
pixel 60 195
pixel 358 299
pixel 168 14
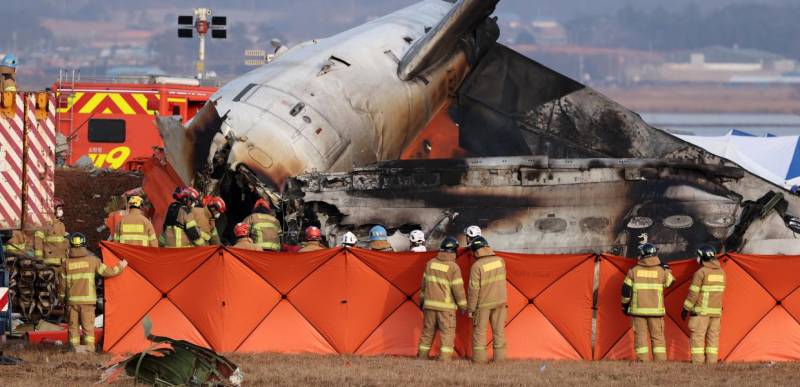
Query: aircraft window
pixel 297 109
pixel 340 60
pixel 679 221
pixel 107 131
pixel 244 92
pixel 551 225
pixel 640 222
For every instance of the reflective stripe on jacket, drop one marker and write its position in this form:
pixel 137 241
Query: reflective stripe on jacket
pixel 50 244
pixel 79 276
pixel 706 291
pixel 647 281
pixel 135 229
pixel 266 231
pixel 206 225
pixel 184 233
pixel 487 281
pixel 442 284
pixel 246 244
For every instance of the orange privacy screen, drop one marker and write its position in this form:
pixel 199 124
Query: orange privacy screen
pixel 354 301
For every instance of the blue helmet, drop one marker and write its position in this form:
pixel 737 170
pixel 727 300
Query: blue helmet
pixel 9 61
pixel 378 233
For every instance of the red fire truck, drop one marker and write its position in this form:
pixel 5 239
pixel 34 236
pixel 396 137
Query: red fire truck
pixel 112 121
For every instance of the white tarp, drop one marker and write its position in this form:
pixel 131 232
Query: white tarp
pixel 776 159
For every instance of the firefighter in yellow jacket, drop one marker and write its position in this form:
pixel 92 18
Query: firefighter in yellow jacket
pixel 264 226
pixel 134 228
pixel 487 301
pixel 180 227
pixel 313 237
pixel 243 240
pixel 50 244
pixel 643 300
pixel 79 288
pixel 441 294
pixel 206 216
pixel 704 305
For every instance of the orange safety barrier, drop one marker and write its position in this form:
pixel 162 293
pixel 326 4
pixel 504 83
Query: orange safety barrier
pixel 159 183
pixel 761 317
pixel 354 301
pixel 337 301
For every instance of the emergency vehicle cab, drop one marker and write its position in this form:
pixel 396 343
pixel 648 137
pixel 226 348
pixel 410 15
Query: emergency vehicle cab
pixel 112 121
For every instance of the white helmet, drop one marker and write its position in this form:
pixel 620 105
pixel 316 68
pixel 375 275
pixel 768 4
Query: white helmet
pixel 473 232
pixel 417 236
pixel 349 239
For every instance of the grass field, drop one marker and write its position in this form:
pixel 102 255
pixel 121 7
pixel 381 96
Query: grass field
pixel 53 367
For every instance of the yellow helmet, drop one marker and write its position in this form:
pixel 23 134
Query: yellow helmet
pixel 77 240
pixel 135 202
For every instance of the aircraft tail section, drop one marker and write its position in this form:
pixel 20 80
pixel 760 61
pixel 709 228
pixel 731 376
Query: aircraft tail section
pixel 188 148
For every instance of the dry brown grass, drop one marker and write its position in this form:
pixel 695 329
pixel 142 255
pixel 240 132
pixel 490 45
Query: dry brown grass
pixel 51 367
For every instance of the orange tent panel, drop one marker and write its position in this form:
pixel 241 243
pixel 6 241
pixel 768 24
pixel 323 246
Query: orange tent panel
pixel 567 304
pixel 167 321
pixel 612 325
pixel 121 310
pixel 745 304
pixel 677 340
pixel 402 269
pixel 159 183
pixel 397 336
pixel 225 300
pixel 532 274
pixel 777 274
pixel 284 271
pixel 792 304
pixel 532 336
pixel 285 330
pixel 164 268
pixel 776 337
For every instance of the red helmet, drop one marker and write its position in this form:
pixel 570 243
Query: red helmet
pixel 178 194
pixel 313 234
pixel 215 202
pixel 191 193
pixel 241 230
pixel 58 203
pixel 261 203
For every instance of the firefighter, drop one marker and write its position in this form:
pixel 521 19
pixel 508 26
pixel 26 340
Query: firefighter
pixel 50 244
pixel 417 239
pixel 313 240
pixel 79 288
pixel 134 228
pixel 264 226
pixel 379 239
pixel 487 301
pixel 243 240
pixel 643 300
pixel 206 215
pixel 704 305
pixel 180 227
pixel 441 294
pixel 8 74
pixel 472 232
pixel 349 239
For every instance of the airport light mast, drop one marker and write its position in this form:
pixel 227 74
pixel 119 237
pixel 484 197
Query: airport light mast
pixel 203 21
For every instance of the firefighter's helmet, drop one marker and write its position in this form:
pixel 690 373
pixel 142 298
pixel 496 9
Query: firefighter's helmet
pixel 262 203
pixel 349 239
pixel 417 237
pixel 179 192
pixel 478 243
pixel 449 245
pixel 313 234
pixel 706 253
pixel 135 201
pixel 216 203
pixel 378 233
pixel 58 203
pixel 241 230
pixel 190 194
pixel 77 240
pixel 473 232
pixel 647 250
pixel 9 61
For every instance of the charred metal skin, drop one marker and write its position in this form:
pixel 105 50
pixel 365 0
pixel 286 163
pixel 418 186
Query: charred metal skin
pixel 531 204
pixel 331 109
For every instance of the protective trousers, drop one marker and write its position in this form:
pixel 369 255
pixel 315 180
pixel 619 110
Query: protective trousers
pixel 445 323
pixel 705 338
pixel 646 329
pixel 482 320
pixel 81 316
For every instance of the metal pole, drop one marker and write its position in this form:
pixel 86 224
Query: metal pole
pixel 201 60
